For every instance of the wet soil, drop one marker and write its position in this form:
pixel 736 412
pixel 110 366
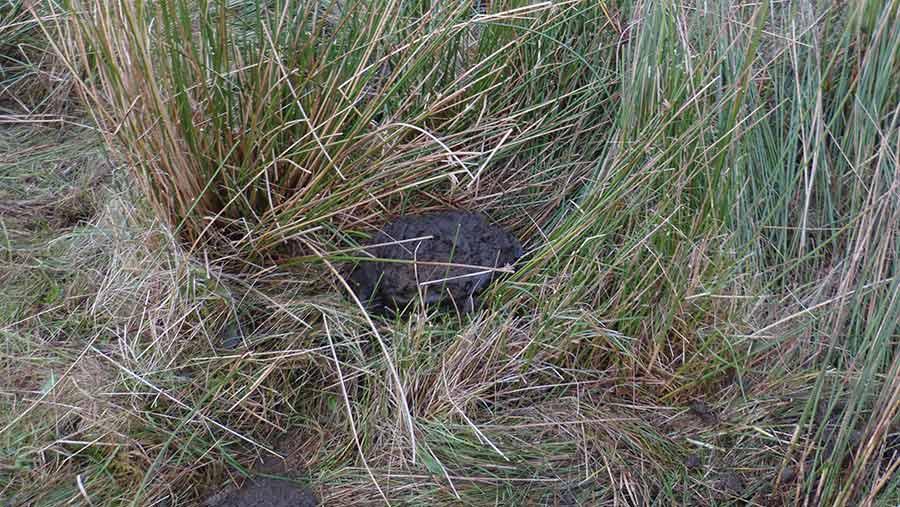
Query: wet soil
pixel 447 257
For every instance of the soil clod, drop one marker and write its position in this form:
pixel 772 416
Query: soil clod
pixel 447 257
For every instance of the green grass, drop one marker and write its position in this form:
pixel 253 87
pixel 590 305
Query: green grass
pixel 707 192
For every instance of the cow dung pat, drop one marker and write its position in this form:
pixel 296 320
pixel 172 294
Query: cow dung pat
pixel 448 256
pixel 267 493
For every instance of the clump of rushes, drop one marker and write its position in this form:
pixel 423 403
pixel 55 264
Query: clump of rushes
pixel 34 83
pixel 15 32
pixel 258 123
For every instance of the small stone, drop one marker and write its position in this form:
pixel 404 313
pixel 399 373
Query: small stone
pixel 788 475
pixel 692 462
pixel 231 342
pixel 699 408
pixel 232 335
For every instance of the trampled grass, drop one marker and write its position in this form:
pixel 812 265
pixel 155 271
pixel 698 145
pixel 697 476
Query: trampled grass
pixel 707 312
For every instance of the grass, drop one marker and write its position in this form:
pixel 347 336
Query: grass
pixel 33 81
pixel 707 313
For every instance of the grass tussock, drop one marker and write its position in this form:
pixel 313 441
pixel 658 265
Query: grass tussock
pixel 291 117
pixel 707 312
pixel 35 83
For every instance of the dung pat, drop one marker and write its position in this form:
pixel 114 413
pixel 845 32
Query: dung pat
pixel 445 257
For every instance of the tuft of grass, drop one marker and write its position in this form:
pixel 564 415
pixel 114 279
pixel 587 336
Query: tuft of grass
pixel 256 124
pixel 34 83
